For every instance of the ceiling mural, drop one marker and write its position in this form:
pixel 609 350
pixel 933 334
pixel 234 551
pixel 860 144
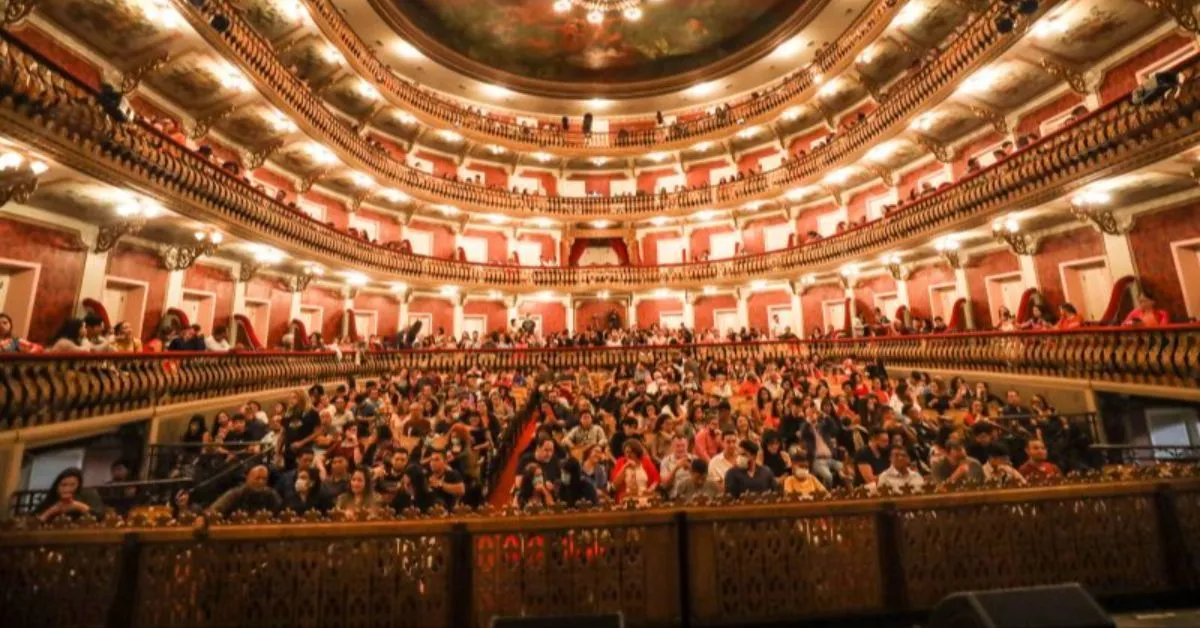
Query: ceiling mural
pixel 529 39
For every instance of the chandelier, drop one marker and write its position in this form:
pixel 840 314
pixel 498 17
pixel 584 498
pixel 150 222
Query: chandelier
pixel 598 9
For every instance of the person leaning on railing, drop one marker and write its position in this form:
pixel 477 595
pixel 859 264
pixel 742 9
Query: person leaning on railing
pixel 9 343
pixel 67 498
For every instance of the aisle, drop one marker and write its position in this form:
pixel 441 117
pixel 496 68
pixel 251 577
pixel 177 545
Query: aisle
pixel 502 493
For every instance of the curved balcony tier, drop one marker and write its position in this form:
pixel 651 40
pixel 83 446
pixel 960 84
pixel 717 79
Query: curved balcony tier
pixel 62 118
pixel 43 389
pixel 979 43
pixel 766 105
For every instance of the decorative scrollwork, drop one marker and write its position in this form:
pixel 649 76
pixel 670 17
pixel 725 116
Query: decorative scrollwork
pixel 255 159
pixel 942 152
pixel 298 282
pixel 110 234
pixel 825 114
pixel 991 116
pixel 1080 82
pixel 18 186
pixel 183 256
pixel 205 124
pixel 1182 11
pixel 15 11
pixel 898 271
pixel 306 183
pixel 1103 220
pixel 887 175
pixel 954 258
pixel 248 270
pixel 833 192
pixel 1018 243
pixel 131 79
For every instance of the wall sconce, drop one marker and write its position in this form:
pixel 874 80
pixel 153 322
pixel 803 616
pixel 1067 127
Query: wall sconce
pixel 1008 231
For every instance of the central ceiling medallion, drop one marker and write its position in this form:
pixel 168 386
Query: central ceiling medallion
pixel 597 10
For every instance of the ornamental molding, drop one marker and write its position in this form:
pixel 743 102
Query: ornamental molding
pixel 1182 11
pixel 898 271
pixel 1081 82
pixel 941 151
pixel 1104 220
pixel 1019 243
pixel 110 234
pixel 131 79
pixel 175 257
pixel 17 185
pixel 15 11
pixel 204 124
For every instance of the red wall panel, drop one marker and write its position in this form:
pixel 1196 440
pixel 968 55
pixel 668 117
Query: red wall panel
pixel 493 176
pixel 919 283
pixel 554 315
pixel 497 243
pixel 1030 122
pixel 978 270
pixel 332 311
pixel 650 245
pixel 649 178
pixel 441 310
pixel 218 281
pixel 494 312
pixel 1122 79
pixel 549 181
pixel 547 242
pixel 1076 244
pixel 812 304
pixel 698 174
pixel 706 306
pixel 280 300
pixel 443 166
pixel 595 313
pixel 702 239
pixel 139 264
pixel 60 56
pixel 748 161
pixel 865 291
pixel 58 279
pixel 648 310
pixel 1150 242
pixel 757 306
pixel 386 308
pixel 443 238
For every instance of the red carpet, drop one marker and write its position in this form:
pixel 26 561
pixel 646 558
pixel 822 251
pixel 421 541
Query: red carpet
pixel 502 493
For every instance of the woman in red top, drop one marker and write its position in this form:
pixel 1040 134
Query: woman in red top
pixel 634 476
pixel 1146 314
pixel 1069 317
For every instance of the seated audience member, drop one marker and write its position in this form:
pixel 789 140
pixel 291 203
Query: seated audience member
pixel 532 488
pixel 998 468
pixel 124 340
pixel 956 467
pixel 720 465
pixel 1005 321
pixel 585 434
pixel 634 476
pixel 218 341
pixel 696 485
pixel 358 498
pixel 873 459
pixel 305 493
pixel 900 476
pixel 1068 318
pixel 1037 319
pixel 675 464
pixel 189 339
pixel 1146 314
pixel 1037 466
pixel 575 490
pixel 801 482
pixel 9 343
pixel 335 477
pixel 747 476
pixel 69 337
pixel 252 496
pixel 67 498
pixel 94 338
pixel 446 486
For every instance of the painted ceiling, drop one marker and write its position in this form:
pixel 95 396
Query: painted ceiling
pixel 527 38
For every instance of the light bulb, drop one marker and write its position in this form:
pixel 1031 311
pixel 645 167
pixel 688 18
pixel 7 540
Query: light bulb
pixel 595 17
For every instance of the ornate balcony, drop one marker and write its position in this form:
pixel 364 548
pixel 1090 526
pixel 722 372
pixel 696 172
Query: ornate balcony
pixel 979 43
pixel 42 389
pixel 1132 534
pixel 769 103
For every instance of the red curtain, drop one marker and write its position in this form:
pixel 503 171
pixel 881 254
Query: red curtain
pixel 581 244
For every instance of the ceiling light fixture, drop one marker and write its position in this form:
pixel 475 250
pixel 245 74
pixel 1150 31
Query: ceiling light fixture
pixel 601 224
pixel 407 50
pixel 541 157
pixel 597 10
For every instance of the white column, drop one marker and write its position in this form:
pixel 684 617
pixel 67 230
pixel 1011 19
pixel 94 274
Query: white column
pixel 797 315
pixel 631 313
pixel 689 311
pixel 294 309
pixel 347 305
pixel 402 318
pixel 853 307
pixel 964 292
pixel 458 315
pixel 174 295
pixel 743 308
pixel 512 311
pixel 569 307
pixel 901 294
pixel 1029 274
pixel 95 269
pixel 239 302
pixel 1120 256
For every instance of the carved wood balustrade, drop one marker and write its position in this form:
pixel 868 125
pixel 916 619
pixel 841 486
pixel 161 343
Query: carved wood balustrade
pixel 827 60
pixel 978 43
pixel 1131 533
pixel 62 117
pixel 39 389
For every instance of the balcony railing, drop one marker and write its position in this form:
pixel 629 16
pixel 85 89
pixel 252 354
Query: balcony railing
pixel 549 134
pixel 754 562
pixel 979 42
pixel 63 118
pixel 41 389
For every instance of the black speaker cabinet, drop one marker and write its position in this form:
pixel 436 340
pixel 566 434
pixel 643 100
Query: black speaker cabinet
pixel 1056 606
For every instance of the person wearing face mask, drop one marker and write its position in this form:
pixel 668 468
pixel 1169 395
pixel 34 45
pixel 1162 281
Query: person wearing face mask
pixel 534 489
pixel 801 482
pixel 747 476
pixel 306 493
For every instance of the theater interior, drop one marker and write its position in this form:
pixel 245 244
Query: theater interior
pixel 600 313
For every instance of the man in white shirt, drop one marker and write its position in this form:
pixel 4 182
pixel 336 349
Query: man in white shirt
pixel 675 465
pixel 998 467
pixel 218 340
pixel 720 465
pixel 94 338
pixel 900 476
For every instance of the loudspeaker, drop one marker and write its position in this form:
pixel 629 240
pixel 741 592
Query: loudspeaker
pixel 613 620
pixel 1055 606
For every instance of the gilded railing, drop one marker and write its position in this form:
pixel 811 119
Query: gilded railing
pixel 979 42
pixel 769 101
pixel 758 561
pixel 40 389
pixel 63 118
